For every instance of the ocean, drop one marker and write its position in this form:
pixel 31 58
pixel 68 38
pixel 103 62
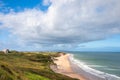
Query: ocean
pixel 97 65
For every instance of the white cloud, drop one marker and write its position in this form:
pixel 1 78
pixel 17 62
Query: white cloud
pixel 46 2
pixel 65 22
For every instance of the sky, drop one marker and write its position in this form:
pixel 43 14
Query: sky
pixel 52 25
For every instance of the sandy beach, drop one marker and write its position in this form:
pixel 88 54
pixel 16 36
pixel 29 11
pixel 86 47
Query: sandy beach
pixel 64 67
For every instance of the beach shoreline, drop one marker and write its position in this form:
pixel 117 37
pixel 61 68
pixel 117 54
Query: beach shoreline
pixel 64 67
pixel 88 72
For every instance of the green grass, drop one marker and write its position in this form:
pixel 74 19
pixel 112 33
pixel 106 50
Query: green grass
pixel 28 66
pixel 32 76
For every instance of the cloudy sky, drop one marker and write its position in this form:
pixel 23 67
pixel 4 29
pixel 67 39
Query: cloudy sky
pixel 82 25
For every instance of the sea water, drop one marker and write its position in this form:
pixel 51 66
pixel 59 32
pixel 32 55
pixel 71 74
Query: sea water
pixel 97 65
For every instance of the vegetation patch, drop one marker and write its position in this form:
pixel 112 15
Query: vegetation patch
pixel 29 66
pixel 32 76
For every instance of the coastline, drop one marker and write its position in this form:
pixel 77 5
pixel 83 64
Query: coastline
pixel 90 73
pixel 63 66
pixel 67 65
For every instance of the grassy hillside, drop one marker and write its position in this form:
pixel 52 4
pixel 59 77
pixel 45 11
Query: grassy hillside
pixel 28 66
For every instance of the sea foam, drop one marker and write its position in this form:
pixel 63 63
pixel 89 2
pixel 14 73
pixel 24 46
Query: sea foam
pixel 88 72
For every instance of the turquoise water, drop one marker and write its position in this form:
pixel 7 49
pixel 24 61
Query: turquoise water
pixel 108 62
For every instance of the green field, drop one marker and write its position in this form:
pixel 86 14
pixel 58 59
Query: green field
pixel 28 66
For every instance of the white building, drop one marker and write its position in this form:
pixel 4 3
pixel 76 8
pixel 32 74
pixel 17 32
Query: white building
pixel 6 51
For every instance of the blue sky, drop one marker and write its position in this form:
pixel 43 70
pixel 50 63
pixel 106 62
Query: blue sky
pixel 60 25
pixel 109 44
pixel 18 6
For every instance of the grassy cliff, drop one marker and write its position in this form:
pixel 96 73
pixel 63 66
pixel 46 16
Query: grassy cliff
pixel 28 66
